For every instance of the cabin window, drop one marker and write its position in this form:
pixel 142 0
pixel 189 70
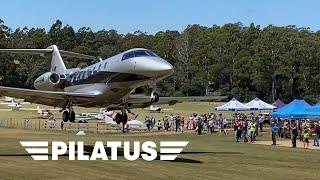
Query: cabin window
pixel 105 66
pixel 128 55
pixel 140 53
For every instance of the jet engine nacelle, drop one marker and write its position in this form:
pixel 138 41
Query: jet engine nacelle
pixel 48 81
pixel 154 97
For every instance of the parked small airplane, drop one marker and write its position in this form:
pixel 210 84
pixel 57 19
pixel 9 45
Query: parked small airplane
pixel 107 83
pixel 14 104
pixel 44 113
pixel 156 109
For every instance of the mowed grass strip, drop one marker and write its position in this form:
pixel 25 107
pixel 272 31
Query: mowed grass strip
pixel 222 158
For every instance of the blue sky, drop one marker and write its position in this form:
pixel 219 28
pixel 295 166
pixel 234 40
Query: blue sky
pixel 155 15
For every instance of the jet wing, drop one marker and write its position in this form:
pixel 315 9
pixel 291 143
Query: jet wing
pixel 142 101
pixel 50 98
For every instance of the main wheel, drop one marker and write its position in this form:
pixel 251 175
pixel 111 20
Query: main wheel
pixel 65 116
pixel 118 118
pixel 124 119
pixel 72 116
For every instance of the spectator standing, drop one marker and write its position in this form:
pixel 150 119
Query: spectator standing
pixel 62 123
pixel 294 134
pixel 177 122
pixel 274 130
pixel 261 120
pixel 199 125
pixel 252 131
pixel 316 135
pixel 239 130
pixel 225 124
pixel 152 123
pixel 159 125
pixel 211 125
pixel 181 123
pixel 307 135
pixel 148 122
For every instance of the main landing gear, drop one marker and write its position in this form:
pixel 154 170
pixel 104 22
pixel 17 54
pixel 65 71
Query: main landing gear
pixel 69 115
pixel 121 117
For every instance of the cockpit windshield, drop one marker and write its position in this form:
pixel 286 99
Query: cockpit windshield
pixel 138 53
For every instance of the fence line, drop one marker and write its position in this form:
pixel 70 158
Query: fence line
pixel 92 127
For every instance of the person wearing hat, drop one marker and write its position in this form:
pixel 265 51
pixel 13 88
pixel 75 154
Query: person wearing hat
pixel 294 134
pixel 252 130
pixel 307 135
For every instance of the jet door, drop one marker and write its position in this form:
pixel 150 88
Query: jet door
pixel 127 56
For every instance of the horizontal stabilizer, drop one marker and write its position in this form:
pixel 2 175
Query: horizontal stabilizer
pixel 48 51
pixel 27 51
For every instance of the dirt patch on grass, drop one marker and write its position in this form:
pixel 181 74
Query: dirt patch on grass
pixel 288 143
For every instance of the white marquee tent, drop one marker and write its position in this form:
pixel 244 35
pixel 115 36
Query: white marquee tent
pixel 258 104
pixel 233 105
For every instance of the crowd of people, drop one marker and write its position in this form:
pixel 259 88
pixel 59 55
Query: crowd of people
pixel 306 131
pixel 209 122
pixel 246 127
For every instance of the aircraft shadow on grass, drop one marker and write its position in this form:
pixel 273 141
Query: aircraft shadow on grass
pixel 89 148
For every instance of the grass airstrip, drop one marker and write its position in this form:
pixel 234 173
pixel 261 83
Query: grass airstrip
pixel 206 156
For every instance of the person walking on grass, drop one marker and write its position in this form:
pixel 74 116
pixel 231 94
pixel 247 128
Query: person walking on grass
pixel 307 135
pixel 274 130
pixel 261 120
pixel 62 123
pixel 199 126
pixel 252 131
pixel 239 130
pixel 181 124
pixel 211 126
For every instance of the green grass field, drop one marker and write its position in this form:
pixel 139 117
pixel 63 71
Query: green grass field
pixel 221 159
pixel 217 157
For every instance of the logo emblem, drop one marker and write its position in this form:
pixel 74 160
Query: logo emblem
pixel 169 150
pixel 37 149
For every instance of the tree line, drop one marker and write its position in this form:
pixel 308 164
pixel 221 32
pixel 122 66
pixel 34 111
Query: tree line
pixel 233 59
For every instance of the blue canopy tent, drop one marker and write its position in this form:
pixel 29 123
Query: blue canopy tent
pixel 295 109
pixel 313 112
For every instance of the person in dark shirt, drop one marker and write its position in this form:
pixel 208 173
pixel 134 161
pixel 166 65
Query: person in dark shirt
pixel 148 122
pixel 239 130
pixel 294 134
pixel 177 122
pixel 61 125
pixel 199 125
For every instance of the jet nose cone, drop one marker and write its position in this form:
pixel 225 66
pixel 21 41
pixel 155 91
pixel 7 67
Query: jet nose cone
pixel 153 67
pixel 165 69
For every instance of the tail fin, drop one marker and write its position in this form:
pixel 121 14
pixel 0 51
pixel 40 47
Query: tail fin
pixel 54 61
